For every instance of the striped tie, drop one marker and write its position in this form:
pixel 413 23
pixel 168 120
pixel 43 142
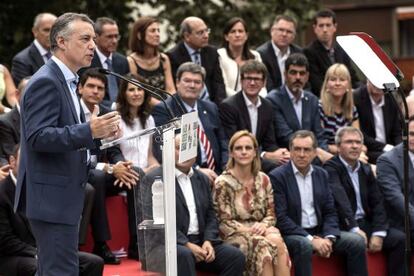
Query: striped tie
pixel 207 148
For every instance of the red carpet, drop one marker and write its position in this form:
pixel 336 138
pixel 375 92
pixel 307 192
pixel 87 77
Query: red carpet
pixel 126 268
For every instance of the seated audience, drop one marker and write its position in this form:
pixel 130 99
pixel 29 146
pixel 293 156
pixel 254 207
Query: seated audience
pixel 10 123
pixel 247 110
pixel 275 51
pixel 359 201
pixel 194 47
pixel 18 253
pixel 108 173
pixel 296 108
pixel 145 60
pixel 306 214
pixel 390 179
pixel 325 51
pixel 7 90
pixel 212 151
pixel 378 119
pixel 133 104
pixel 198 243
pixel 243 200
pixel 235 53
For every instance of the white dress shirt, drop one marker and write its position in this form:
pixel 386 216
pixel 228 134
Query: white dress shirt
pixel 253 112
pixel 281 59
pixel 187 189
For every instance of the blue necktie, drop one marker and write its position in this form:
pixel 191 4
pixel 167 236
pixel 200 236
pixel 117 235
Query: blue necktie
pixel 112 84
pixel 204 95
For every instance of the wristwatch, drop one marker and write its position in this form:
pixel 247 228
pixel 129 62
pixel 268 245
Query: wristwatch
pixel 332 239
pixel 110 169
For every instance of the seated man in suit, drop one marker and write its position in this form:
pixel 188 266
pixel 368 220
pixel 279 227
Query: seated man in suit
pixel 198 242
pixel 108 169
pixel 18 253
pixel 275 51
pixel 212 155
pixel 359 201
pixel 106 56
pixel 26 62
pixel 378 120
pixel 295 108
pixel 247 110
pixel 306 214
pixel 194 47
pixel 325 51
pixel 390 179
pixel 10 124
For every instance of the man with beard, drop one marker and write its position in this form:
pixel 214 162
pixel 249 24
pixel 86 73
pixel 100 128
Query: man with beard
pixel 295 108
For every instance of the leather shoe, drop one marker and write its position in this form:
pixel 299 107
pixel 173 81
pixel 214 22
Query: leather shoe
pixel 105 253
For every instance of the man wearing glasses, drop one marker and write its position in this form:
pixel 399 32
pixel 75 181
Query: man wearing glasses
pixel 107 38
pixel 194 47
pixel 275 51
pixel 247 110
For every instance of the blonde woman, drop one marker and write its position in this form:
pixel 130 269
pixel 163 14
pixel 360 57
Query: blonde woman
pixel 243 200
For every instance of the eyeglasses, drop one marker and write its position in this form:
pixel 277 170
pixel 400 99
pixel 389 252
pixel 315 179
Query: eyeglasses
pixel 250 79
pixel 202 32
pixel 114 36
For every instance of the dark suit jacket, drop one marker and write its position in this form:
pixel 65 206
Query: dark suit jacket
pixel 209 117
pixel 16 239
pixel 207 220
pixel 235 116
pixel 119 64
pixel 393 134
pixel 26 63
pixel 9 132
pixel 53 160
pixel 286 121
pixel 288 204
pixel 390 180
pixel 345 197
pixel 209 60
pixel 268 55
pixel 319 62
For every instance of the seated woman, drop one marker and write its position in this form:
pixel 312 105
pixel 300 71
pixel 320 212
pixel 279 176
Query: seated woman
pixel 145 59
pixel 234 54
pixel 243 200
pixel 133 104
pixel 336 105
pixel 7 90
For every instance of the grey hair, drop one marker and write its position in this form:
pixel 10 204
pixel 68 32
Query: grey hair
pixel 39 17
pixel 62 27
pixel 303 134
pixel 347 129
pixel 192 68
pixel 101 21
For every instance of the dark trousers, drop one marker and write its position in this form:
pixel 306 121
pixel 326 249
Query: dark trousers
pixel 229 261
pixel 104 186
pixel 86 213
pixel 393 247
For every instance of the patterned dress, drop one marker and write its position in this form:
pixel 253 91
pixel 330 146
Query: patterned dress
pixel 236 206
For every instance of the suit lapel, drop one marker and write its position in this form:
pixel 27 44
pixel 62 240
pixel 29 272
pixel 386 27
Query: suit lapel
pixel 243 108
pixel 180 195
pixel 296 193
pixel 291 110
pixel 36 56
pixel 366 101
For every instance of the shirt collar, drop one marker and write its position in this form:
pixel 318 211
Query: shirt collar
pixel 296 171
pixel 179 173
pixel 380 104
pixel 85 108
pixel 13 177
pixel 102 57
pixel 190 50
pixel 349 167
pixel 278 51
pixel 67 73
pixel 249 103
pixel 292 97
pixel 189 108
pixel 40 48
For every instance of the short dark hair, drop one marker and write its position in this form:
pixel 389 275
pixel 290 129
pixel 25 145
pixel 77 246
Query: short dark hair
pixel 140 26
pixel 251 66
pixel 303 134
pixel 297 59
pixel 93 73
pixel 192 68
pixel 62 27
pixel 246 53
pixel 100 22
pixel 324 14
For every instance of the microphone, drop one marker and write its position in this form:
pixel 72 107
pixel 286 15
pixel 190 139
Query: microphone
pixel 139 84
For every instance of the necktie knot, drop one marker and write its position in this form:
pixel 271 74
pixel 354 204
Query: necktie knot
pixel 109 63
pixel 196 55
pixel 48 55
